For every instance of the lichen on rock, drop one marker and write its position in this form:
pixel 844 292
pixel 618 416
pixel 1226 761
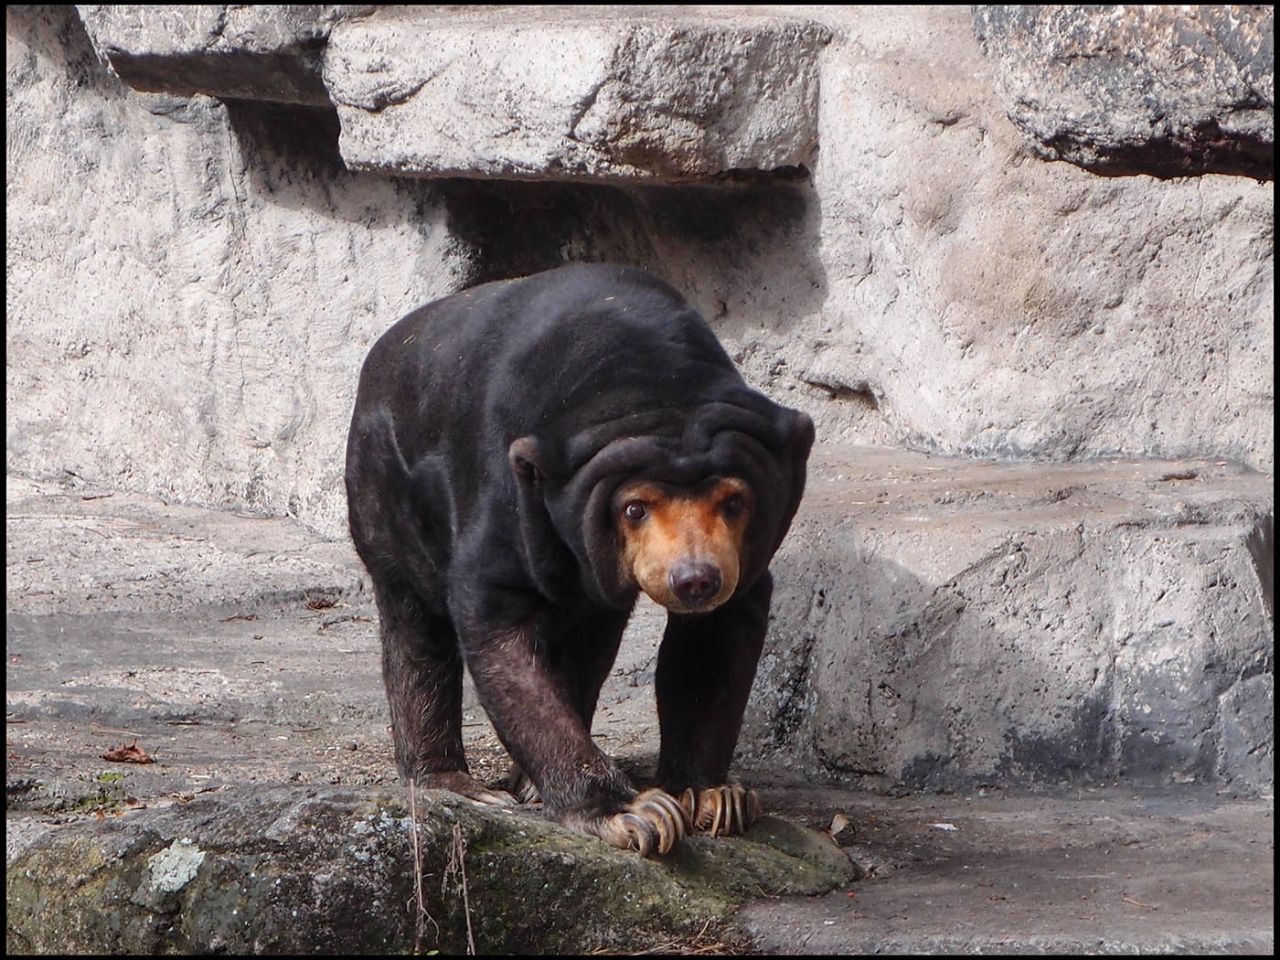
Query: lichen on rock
pixel 289 871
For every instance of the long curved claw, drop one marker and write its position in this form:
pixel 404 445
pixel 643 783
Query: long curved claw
pixel 520 786
pixel 496 798
pixel 726 810
pixel 467 786
pixel 653 823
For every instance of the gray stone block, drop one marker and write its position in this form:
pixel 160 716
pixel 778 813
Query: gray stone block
pixel 1166 90
pixel 658 95
pixel 220 278
pixel 192 285
pixel 942 623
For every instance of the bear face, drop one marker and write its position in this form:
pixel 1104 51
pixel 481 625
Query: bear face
pixel 682 545
pixel 572 494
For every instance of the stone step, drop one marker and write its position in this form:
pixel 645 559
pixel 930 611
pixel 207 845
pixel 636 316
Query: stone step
pixel 940 622
pixel 86 549
pixel 225 661
pixel 928 285
pixel 614 94
pixel 936 623
pixel 607 94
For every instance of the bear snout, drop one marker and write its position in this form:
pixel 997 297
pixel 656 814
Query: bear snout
pixel 695 583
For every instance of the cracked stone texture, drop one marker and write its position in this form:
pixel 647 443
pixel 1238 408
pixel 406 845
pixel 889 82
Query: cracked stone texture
pixel 1168 90
pixel 649 95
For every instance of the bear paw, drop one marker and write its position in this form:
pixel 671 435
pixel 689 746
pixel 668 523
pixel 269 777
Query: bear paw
pixel 726 810
pixel 652 823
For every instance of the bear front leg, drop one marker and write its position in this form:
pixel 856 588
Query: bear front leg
pixel 580 666
pixel 537 722
pixel 706 665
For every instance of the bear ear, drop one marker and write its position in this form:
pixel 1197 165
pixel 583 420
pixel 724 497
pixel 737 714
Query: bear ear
pixel 526 460
pixel 801 433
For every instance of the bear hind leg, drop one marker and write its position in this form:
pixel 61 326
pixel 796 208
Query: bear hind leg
pixel 422 671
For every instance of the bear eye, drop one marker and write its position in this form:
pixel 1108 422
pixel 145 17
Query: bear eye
pixel 732 506
pixel 635 511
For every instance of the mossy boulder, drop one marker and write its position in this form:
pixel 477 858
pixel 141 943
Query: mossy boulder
pixel 331 870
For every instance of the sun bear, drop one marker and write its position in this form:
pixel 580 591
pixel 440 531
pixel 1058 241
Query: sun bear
pixel 524 458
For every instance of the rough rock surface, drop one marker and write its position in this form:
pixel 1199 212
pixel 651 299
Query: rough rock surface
pixel 189 304
pixel 305 870
pixel 650 95
pixel 1168 90
pixel 193 284
pixel 238 51
pixel 936 624
pixel 945 623
pixel 978 302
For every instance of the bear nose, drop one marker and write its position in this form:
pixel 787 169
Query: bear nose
pixel 694 582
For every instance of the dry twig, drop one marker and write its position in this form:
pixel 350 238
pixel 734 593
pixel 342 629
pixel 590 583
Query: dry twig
pixel 700 944
pixel 458 866
pixel 1138 903
pixel 422 913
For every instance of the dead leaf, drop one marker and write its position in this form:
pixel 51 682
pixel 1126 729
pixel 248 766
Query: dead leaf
pixel 128 753
pixel 320 601
pixel 838 823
